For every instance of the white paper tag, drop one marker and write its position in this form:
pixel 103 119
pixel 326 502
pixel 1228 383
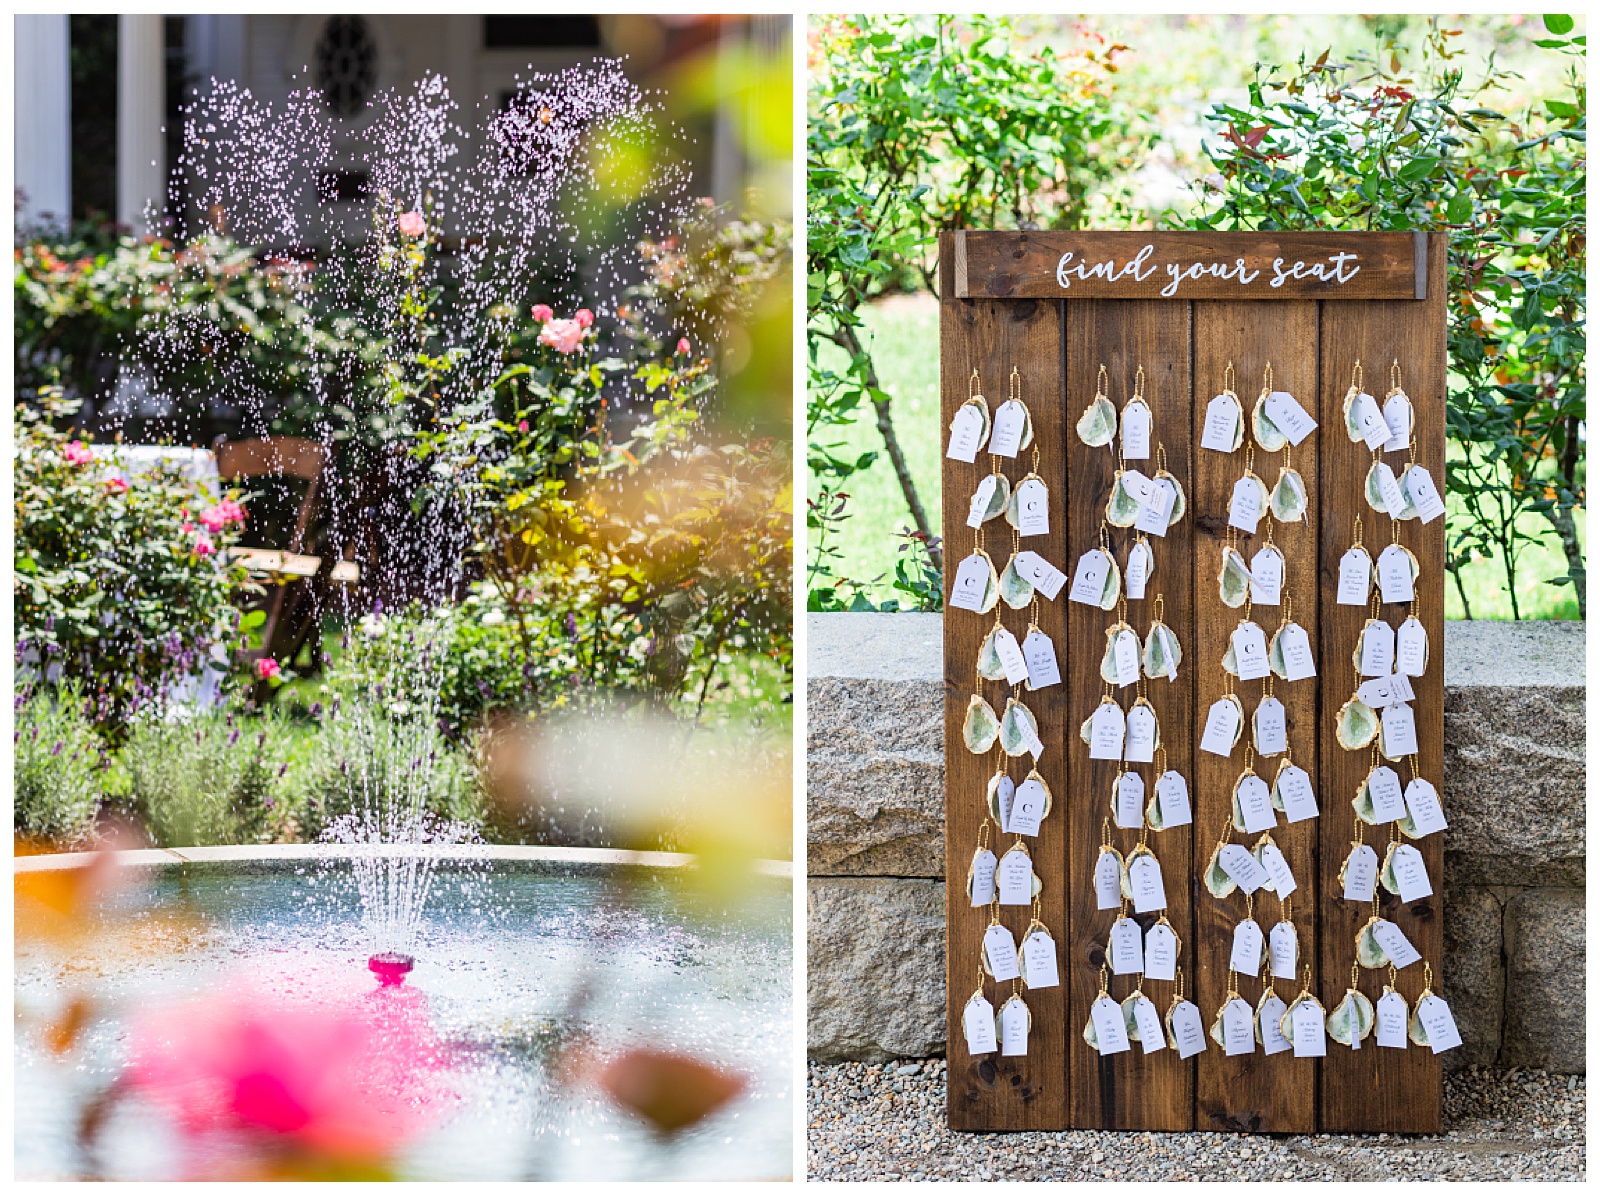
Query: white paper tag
pixel 1160 952
pixel 1255 804
pixel 1244 507
pixel 1411 873
pixel 1039 960
pixel 1003 793
pixel 1014 1028
pixel 1221 414
pixel 1394 500
pixel 1272 729
pixel 1424 494
pixel 1089 577
pixel 1278 869
pixel 1188 1029
pixel 983 868
pixel 1170 642
pixel 1294 789
pixel 1242 867
pixel 1130 801
pixel 1283 950
pixel 1110 1030
pixel 1009 421
pixel 1297 658
pixel 1250 651
pixel 978 1020
pixel 1033 567
pixel 1222 723
pixel 1238 1028
pixel 1027 808
pixel 972 578
pixel 1138 572
pixel 1355 577
pixel 1140 746
pixel 1286 413
pixel 1136 484
pixel 1105 732
pixel 1107 881
pixel 1010 655
pixel 1411 648
pixel 1422 801
pixel 1389 1020
pixel 1002 951
pixel 1151 1035
pixel 980 501
pixel 1394 416
pixel 1310 1036
pixel 1399 730
pixel 1440 1024
pixel 1377 693
pixel 1377 648
pixel 1246 955
pixel 1394 576
pixel 1135 431
pixel 1125 657
pixel 1369 419
pixel 1155 514
pixel 966 432
pixel 1033 508
pixel 1127 947
pixel 1400 689
pixel 1174 792
pixel 1266 577
pixel 1361 874
pixel 1395 944
pixel 1039 652
pixel 1015 878
pixel 1144 879
pixel 1388 801
pixel 1269 1019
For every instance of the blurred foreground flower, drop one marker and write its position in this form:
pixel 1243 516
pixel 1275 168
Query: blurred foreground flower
pixel 670 1091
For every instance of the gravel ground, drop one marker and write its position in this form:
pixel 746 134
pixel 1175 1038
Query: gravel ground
pixel 883 1122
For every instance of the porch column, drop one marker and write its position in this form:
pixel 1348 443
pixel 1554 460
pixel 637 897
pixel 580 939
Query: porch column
pixel 141 105
pixel 43 120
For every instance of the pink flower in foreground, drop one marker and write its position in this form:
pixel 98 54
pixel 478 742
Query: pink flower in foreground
pixel 268 668
pixel 522 427
pixel 204 547
pixel 77 454
pixel 413 224
pixel 583 317
pixel 563 335
pixel 218 515
pixel 116 486
pixel 683 345
pixel 541 313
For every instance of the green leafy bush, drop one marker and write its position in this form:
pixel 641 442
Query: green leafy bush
pixel 57 768
pixel 207 780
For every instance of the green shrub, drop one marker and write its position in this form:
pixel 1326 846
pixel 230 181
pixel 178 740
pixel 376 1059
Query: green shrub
pixel 58 767
pixel 209 780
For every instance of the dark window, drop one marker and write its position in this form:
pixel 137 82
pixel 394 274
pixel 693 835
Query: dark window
pixel 540 33
pixel 346 65
pixel 93 42
pixel 341 187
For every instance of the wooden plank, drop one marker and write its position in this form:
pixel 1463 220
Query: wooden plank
pixel 1254 1092
pixel 991 1092
pixel 1205 265
pixel 1130 1090
pixel 1377 1089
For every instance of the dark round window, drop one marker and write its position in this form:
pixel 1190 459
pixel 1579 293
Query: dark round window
pixel 347 64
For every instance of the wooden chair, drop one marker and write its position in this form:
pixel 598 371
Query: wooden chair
pixel 299 582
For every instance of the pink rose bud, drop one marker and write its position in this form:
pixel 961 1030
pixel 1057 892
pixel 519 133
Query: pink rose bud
pixel 267 668
pixel 541 313
pixel 77 454
pixel 116 486
pixel 583 317
pixel 683 345
pixel 413 224
pixel 522 427
pixel 203 547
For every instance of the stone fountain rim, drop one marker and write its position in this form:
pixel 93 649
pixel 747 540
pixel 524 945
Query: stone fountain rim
pixel 562 856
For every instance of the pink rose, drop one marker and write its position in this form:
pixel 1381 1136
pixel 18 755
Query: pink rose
pixel 413 224
pixel 218 515
pixel 116 486
pixel 267 668
pixel 541 313
pixel 583 317
pixel 522 427
pixel 186 527
pixel 203 546
pixel 683 345
pixel 563 335
pixel 77 454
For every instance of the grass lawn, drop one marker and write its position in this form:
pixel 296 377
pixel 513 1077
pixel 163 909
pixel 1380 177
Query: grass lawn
pixel 905 340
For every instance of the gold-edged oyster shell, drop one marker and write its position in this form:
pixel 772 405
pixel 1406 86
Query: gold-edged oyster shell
pixel 1098 424
pixel 980 727
pixel 1015 590
pixel 1233 580
pixel 1351 1021
pixel 1018 728
pixel 1288 501
pixel 1268 436
pixel 1356 725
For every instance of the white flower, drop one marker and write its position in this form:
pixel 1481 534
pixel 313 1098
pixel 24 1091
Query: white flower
pixel 373 626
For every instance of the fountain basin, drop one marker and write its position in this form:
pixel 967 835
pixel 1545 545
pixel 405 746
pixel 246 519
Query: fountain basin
pixel 511 935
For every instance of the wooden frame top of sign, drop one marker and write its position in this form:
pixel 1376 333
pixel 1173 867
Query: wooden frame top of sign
pixel 1182 306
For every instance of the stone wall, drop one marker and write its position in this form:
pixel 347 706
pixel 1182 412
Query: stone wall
pixel 1514 852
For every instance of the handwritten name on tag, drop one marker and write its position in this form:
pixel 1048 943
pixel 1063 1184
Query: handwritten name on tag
pixel 1010 655
pixel 1294 789
pixel 1297 658
pixel 1125 657
pixel 1355 577
pixel 1424 494
pixel 1272 729
pixel 1110 1030
pixel 1002 952
pixel 1107 881
pixel 1250 651
pixel 1009 423
pixel 1138 572
pixel 1188 1029
pixel 1411 648
pixel 1286 413
pixel 1440 1024
pixel 1422 801
pixel 1411 873
pixel 1089 577
pixel 1394 500
pixel 1394 576
pixel 1039 968
pixel 1039 652
pixel 1246 955
pixel 1377 648
pixel 1390 1016
pixel 983 868
pixel 1141 741
pixel 1027 809
pixel 1014 1022
pixel 1369 419
pixel 972 580
pixel 1283 950
pixel 966 434
pixel 1310 1037
pixel 1173 791
pixel 1015 877
pixel 1221 727
pixel 1242 867
pixel 1130 801
pixel 1266 577
pixel 1269 1019
pixel 1033 567
pixel 1144 880
pixel 1361 874
pixel 1222 417
pixel 1399 730
pixel 1033 508
pixel 1155 512
pixel 1238 1028
pixel 1151 1036
pixel 1395 944
pixel 1244 508
pixel 1106 729
pixel 1278 869
pixel 1388 801
pixel 1255 804
pixel 1400 686
pixel 1397 416
pixel 1127 947
pixel 1135 431
pixel 978 1021
pixel 1004 790
pixel 1160 952
pixel 980 501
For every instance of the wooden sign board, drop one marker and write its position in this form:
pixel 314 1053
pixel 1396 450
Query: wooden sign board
pixel 1014 300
